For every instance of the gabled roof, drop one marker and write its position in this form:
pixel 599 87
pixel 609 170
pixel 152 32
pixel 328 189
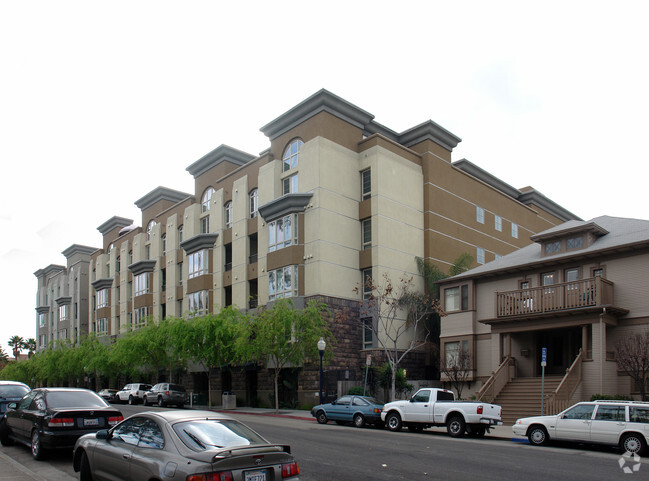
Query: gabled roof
pixel 616 234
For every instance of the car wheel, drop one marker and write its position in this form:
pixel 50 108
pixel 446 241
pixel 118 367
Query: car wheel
pixel 633 443
pixel 5 440
pixel 393 422
pixel 456 426
pixel 160 401
pixel 85 473
pixel 415 428
pixel 321 417
pixel 131 400
pixel 359 421
pixel 145 401
pixel 37 447
pixel 538 436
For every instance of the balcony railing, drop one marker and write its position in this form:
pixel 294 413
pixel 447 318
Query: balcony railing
pixel 580 294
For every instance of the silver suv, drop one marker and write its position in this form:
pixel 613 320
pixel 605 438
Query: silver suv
pixel 133 393
pixel 166 393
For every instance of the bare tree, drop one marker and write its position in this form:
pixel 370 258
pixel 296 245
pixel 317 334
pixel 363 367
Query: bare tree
pixel 456 368
pixel 398 314
pixel 633 358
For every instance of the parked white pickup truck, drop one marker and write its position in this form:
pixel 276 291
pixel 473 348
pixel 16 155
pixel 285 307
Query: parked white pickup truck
pixel 438 407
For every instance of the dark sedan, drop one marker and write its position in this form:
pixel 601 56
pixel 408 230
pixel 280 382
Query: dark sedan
pixel 359 410
pixel 181 446
pixel 11 391
pixel 48 418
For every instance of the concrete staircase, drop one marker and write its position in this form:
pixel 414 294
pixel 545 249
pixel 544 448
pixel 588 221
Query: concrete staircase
pixel 521 397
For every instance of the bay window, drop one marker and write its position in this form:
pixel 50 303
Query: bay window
pixel 282 282
pixel 197 263
pixel 282 232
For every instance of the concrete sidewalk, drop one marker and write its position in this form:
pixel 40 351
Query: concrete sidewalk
pixel 12 470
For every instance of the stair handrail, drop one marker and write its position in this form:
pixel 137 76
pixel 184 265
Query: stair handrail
pixel 561 395
pixel 499 378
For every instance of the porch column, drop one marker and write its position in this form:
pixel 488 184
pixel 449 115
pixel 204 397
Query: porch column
pixel 584 342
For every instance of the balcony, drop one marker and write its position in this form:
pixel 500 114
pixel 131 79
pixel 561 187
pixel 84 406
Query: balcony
pixel 582 295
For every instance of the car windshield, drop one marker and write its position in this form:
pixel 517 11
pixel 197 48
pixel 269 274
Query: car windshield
pixel 204 434
pixel 15 391
pixel 74 399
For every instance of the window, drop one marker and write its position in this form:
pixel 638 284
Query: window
pixel 552 247
pixel 480 255
pixel 102 298
pixel 368 333
pixel 102 325
pixel 366 184
pixel 197 263
pixel 118 265
pixel 164 244
pixel 610 413
pixel 572 275
pixel 548 278
pixel 421 397
pixel 149 229
pixel 197 303
pixel 147 252
pixel 366 279
pixel 525 284
pixel 452 299
pixel 291 154
pixel 580 411
pixel 141 313
pixel 63 313
pixel 205 224
pixel 289 185
pixel 366 232
pixel 464 294
pixel 514 230
pixel 598 272
pixel 254 203
pixel 150 436
pixel 206 199
pixel 574 243
pixel 498 223
pixel 130 257
pixel 228 256
pixel 228 215
pixel 282 232
pixel 180 235
pixel 282 283
pixel 479 214
pixel 180 274
pixel 42 320
pixel 141 284
pixel 456 354
pixel 638 414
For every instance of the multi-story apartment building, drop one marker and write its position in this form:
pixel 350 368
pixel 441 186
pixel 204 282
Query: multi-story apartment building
pixel 576 291
pixel 62 297
pixel 335 197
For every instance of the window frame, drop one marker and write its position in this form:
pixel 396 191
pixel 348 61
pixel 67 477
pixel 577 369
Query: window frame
pixel 514 230
pixel 141 284
pixel 498 223
pixel 274 244
pixel 206 199
pixel 290 184
pixel 366 193
pixel 101 298
pixel 291 155
pixel 366 234
pixel 227 214
pixel 254 203
pixel 149 229
pixel 197 263
pixel 276 292
pixel 479 214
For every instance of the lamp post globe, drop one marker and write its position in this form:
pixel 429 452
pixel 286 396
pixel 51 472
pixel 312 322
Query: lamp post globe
pixel 321 347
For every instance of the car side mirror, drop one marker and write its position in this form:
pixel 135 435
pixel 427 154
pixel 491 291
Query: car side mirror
pixel 12 405
pixel 103 434
pixel 333 402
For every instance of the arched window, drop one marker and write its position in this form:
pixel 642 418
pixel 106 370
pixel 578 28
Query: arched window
pixel 254 202
pixel 207 197
pixel 291 154
pixel 149 229
pixel 228 215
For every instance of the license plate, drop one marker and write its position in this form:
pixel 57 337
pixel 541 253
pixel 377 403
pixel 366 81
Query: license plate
pixel 91 422
pixel 256 476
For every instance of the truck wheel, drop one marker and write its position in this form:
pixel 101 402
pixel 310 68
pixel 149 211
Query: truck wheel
pixel 537 435
pixel 359 421
pixel 321 417
pixel 456 426
pixel 393 422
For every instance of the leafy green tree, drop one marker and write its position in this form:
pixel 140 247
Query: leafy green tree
pixel 4 358
pixel 16 343
pixel 211 341
pixel 282 335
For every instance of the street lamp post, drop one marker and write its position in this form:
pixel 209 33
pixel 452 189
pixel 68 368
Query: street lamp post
pixel 321 347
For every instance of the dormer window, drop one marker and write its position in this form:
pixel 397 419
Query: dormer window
pixel 552 247
pixel 574 243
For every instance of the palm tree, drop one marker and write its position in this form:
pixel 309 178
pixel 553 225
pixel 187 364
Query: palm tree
pixel 30 345
pixel 16 343
pixel 3 357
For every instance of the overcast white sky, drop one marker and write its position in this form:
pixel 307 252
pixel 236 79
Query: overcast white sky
pixel 101 102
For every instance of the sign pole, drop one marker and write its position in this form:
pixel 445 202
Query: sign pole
pixel 544 357
pixel 368 362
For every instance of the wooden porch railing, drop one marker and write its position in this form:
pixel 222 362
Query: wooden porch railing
pixel 595 291
pixel 497 381
pixel 559 400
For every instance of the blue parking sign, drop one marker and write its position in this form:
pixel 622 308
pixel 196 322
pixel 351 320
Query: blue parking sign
pixel 544 356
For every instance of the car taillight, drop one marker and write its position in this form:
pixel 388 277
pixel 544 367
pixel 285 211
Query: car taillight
pixel 220 476
pixel 114 420
pixel 289 470
pixel 377 410
pixel 60 423
pixel 166 393
pixel 480 409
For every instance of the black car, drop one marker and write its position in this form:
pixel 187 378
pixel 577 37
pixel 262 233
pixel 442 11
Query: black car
pixel 11 391
pixel 48 418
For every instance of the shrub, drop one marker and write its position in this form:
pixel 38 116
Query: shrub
pixel 611 397
pixel 355 391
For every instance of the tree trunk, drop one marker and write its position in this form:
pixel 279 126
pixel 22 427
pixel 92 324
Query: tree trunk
pixel 276 391
pixel 209 388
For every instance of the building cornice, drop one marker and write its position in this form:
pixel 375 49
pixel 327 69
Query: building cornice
pixel 198 242
pixel 429 130
pixel 590 227
pixel 287 204
pixel 78 249
pixel 142 266
pixel 158 194
pixel 49 270
pixel 223 153
pixel 63 300
pixel 104 283
pixel 113 223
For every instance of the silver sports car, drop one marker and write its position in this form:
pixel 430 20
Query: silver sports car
pixel 182 446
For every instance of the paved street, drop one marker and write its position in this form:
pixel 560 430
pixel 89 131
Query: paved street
pixel 332 452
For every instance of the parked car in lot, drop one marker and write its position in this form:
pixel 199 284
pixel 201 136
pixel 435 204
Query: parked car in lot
pixel 11 391
pixel 616 423
pixel 359 410
pixel 438 407
pixel 133 393
pixel 109 395
pixel 165 393
pixel 182 446
pixel 48 418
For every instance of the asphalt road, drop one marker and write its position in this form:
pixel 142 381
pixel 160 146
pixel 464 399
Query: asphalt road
pixel 332 452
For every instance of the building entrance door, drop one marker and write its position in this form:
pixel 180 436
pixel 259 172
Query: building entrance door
pixel 563 346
